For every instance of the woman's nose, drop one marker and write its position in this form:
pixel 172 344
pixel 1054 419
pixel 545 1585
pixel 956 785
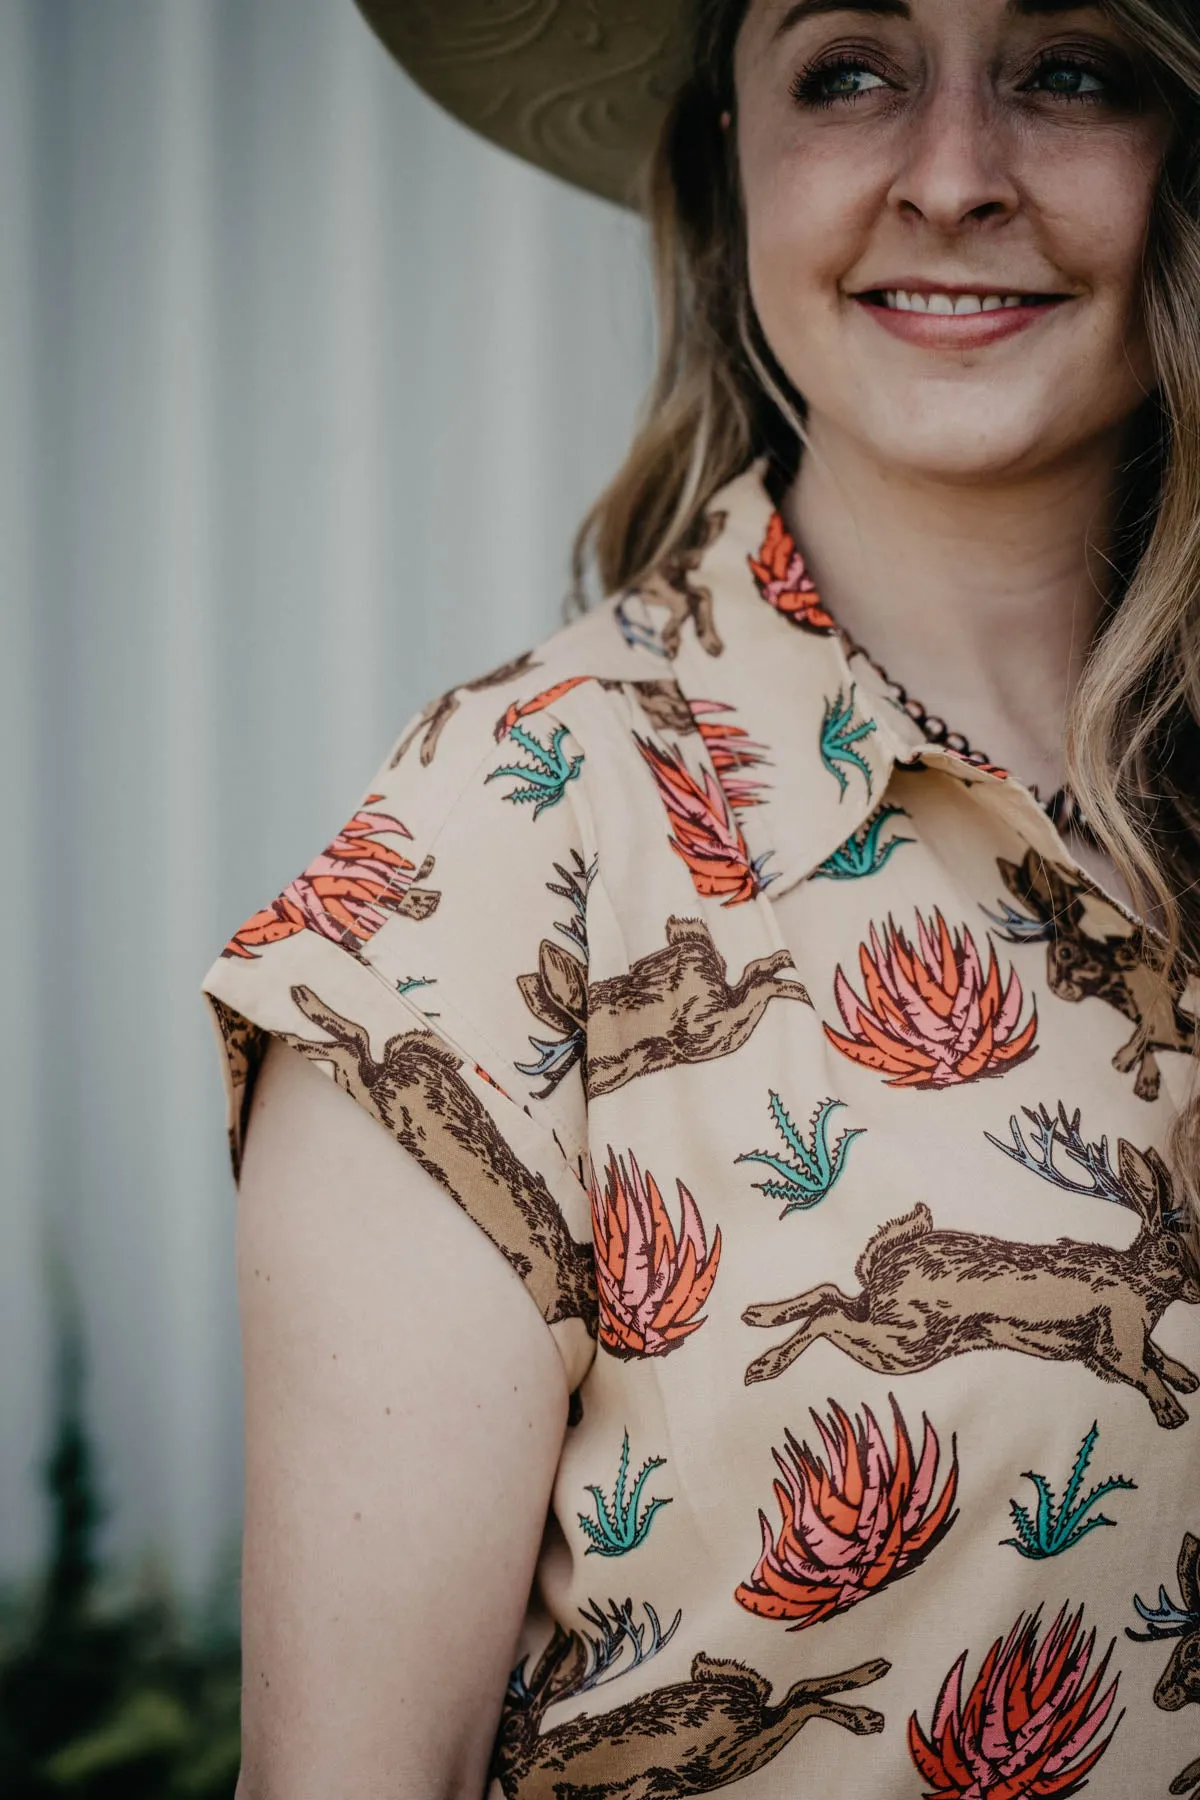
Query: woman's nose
pixel 956 157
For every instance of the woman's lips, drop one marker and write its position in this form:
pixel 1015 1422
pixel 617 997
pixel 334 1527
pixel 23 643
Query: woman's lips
pixel 957 331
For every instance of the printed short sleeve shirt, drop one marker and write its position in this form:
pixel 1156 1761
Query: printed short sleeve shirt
pixel 790 1062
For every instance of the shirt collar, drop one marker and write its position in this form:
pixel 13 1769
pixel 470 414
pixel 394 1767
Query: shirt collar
pixel 822 733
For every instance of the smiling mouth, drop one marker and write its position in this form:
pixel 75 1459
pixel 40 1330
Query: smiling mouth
pixel 953 305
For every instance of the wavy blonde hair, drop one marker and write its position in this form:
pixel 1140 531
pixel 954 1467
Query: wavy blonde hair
pixel 719 400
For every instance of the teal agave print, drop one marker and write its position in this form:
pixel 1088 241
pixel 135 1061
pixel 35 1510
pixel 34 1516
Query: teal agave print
pixel 618 1527
pixel 1051 1530
pixel 864 853
pixel 544 781
pixel 815 1164
pixel 410 985
pixel 840 731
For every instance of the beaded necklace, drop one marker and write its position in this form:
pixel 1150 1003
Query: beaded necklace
pixel 1062 808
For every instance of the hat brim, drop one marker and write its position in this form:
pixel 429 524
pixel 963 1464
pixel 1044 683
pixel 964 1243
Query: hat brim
pixel 579 87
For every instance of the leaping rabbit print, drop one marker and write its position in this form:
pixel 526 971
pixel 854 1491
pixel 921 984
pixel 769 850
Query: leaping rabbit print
pixel 930 1294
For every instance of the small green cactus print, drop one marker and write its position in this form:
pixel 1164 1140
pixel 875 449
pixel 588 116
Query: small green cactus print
pixel 1051 1530
pixel 864 853
pixel 411 984
pixel 815 1164
pixel 618 1527
pixel 543 781
pixel 840 732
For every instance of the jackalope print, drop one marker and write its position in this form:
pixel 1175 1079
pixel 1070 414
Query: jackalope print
pixel 930 1294
pixel 1179 1685
pixel 439 712
pixel 417 1091
pixel 1082 964
pixel 671 586
pixel 558 1055
pixel 675 1005
pixel 690 1737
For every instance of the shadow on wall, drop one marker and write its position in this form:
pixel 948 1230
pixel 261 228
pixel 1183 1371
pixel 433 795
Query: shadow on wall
pixel 108 1694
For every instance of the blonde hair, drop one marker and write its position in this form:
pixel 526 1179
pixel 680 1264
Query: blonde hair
pixel 719 400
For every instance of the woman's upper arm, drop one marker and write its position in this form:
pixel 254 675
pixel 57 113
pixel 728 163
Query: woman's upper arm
pixel 405 1406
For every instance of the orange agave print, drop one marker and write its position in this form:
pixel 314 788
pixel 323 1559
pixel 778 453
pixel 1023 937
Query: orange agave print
pixel 523 709
pixel 1029 1725
pixel 931 1017
pixel 732 750
pixel 344 894
pixel 651 1283
pixel 784 582
pixel 853 1519
pixel 705 831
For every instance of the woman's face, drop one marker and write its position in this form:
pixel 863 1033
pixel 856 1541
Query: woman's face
pixel 988 148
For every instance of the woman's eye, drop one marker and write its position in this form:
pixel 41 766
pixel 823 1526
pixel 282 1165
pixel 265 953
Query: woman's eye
pixel 1071 80
pixel 830 82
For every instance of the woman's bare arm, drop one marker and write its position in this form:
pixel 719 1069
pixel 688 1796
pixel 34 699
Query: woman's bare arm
pixel 405 1408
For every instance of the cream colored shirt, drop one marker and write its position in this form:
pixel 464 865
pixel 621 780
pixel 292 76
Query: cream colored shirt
pixel 788 1059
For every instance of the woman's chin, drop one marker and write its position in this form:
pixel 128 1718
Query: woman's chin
pixel 965 446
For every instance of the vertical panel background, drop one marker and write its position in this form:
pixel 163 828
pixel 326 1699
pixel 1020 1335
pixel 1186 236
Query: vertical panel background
pixel 302 392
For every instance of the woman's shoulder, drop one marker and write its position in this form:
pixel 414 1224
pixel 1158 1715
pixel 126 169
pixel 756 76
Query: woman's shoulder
pixel 425 908
pixel 605 649
pixel 466 768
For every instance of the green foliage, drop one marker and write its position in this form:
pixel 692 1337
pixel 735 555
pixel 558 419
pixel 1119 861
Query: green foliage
pixel 544 780
pixel 815 1164
pixel 617 1527
pixel 840 731
pixel 106 1700
pixel 864 853
pixel 1054 1529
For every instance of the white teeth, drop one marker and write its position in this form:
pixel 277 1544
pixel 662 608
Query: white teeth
pixel 899 301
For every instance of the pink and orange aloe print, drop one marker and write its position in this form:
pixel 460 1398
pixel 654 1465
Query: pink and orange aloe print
pixel 855 1516
pixel 345 894
pixel 705 831
pixel 931 1016
pixel 732 750
pixel 1029 1726
pixel 652 1283
pixel 524 709
pixel 784 581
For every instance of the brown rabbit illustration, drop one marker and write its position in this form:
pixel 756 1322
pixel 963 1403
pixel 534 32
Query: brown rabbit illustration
pixel 1179 1685
pixel 671 585
pixel 929 1294
pixel 439 712
pixel 1081 965
pixel 675 1005
pixel 416 1090
pixel 690 1737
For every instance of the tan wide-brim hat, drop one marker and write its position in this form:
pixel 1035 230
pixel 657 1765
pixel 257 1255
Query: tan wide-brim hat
pixel 579 87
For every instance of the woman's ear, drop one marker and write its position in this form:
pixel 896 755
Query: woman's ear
pixel 726 120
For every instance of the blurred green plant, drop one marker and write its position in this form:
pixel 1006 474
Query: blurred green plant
pixel 104 1696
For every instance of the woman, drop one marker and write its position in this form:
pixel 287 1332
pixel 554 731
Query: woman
pixel 825 1089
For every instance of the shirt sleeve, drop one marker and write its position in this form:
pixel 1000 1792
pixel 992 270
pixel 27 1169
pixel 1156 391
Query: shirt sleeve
pixel 432 960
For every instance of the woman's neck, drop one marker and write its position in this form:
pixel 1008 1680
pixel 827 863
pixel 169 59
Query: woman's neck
pixel 981 600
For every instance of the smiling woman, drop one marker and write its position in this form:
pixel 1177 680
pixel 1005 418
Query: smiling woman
pixel 682 960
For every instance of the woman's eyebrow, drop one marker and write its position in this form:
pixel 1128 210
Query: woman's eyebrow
pixel 900 9
pixel 811 9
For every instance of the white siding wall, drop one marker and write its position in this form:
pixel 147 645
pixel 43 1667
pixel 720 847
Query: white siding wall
pixel 302 391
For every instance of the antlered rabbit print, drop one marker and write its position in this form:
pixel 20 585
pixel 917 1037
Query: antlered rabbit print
pixel 822 1101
